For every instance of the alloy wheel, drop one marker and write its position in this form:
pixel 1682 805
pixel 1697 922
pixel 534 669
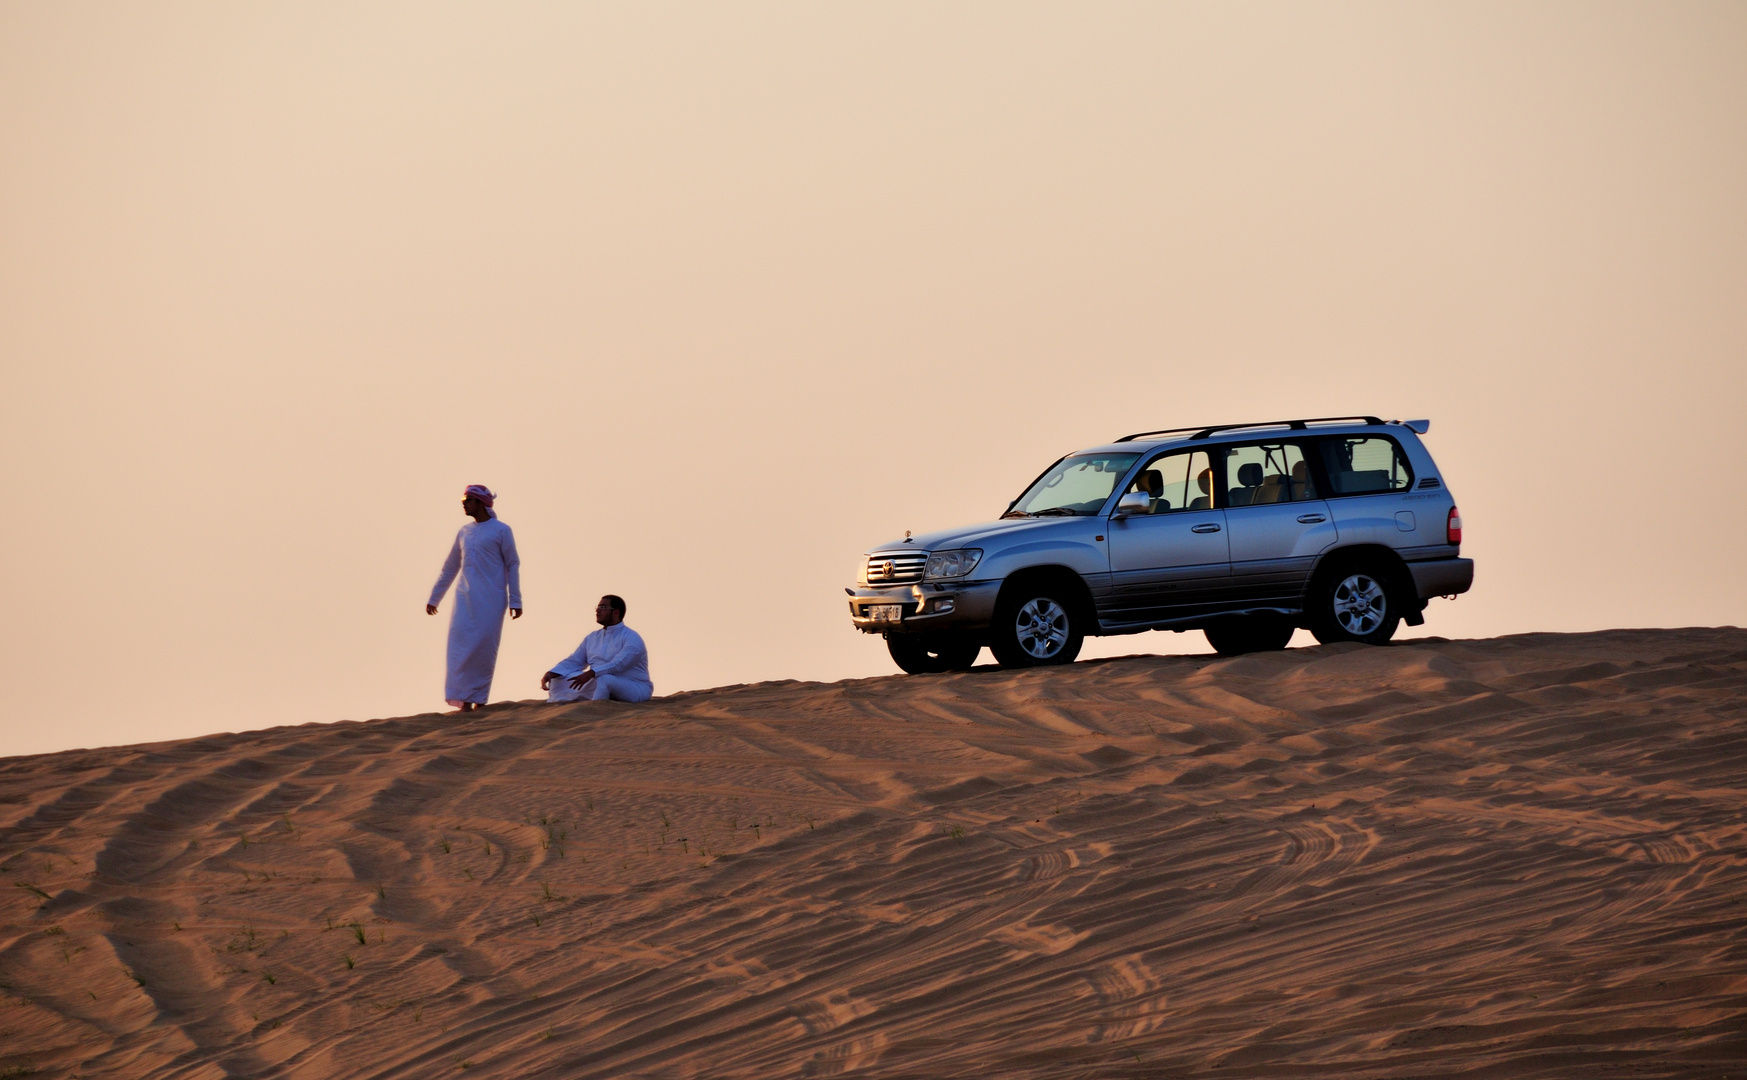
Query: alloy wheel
pixel 1042 628
pixel 1360 604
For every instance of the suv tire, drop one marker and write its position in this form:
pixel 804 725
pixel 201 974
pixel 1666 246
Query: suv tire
pixel 1038 625
pixel 921 654
pixel 1248 634
pixel 1355 601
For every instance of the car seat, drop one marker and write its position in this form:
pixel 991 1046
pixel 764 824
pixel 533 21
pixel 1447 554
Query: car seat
pixel 1249 475
pixel 1205 482
pixel 1153 483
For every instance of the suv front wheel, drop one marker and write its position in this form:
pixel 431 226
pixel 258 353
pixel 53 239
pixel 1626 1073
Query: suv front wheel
pixel 1037 626
pixel 1355 602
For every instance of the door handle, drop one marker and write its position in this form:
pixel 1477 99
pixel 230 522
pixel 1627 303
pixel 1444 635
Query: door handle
pixel 1310 519
pixel 1206 527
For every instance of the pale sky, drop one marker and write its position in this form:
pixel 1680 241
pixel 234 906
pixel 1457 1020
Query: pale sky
pixel 716 296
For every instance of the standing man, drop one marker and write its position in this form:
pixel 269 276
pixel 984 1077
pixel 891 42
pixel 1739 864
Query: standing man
pixel 611 663
pixel 485 557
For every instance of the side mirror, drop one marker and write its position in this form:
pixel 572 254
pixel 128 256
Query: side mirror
pixel 1135 502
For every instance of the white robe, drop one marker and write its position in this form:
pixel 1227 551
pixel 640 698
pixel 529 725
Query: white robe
pixel 484 556
pixel 616 654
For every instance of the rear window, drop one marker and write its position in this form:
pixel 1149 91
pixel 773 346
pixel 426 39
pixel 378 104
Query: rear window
pixel 1364 465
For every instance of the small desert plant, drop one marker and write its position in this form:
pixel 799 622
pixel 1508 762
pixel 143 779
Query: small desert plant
pixel 350 963
pixel 271 980
pixel 357 931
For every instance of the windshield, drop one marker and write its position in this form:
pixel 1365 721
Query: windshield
pixel 1078 484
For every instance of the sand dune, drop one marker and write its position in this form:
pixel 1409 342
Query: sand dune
pixel 1516 857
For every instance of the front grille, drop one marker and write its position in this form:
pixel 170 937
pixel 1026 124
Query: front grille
pixel 896 567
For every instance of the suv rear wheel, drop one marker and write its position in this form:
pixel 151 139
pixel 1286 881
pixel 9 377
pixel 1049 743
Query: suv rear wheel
pixel 1039 625
pixel 1354 602
pixel 920 654
pixel 1248 634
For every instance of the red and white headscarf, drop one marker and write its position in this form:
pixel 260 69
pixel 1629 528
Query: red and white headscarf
pixel 484 495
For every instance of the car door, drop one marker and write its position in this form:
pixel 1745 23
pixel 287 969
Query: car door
pixel 1276 520
pixel 1369 481
pixel 1172 561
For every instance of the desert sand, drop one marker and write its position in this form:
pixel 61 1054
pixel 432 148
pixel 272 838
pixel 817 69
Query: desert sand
pixel 1518 857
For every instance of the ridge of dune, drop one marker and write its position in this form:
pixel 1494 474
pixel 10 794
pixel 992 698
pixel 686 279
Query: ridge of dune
pixel 1516 857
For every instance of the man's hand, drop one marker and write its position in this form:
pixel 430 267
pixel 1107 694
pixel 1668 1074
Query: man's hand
pixel 546 679
pixel 515 613
pixel 430 609
pixel 577 682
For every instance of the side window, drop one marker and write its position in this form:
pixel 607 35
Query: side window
pixel 1365 465
pixel 1179 481
pixel 1258 473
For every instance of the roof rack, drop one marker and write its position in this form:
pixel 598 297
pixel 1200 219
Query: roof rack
pixel 1295 425
pixel 1144 434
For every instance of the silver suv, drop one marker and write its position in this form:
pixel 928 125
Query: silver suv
pixel 1342 525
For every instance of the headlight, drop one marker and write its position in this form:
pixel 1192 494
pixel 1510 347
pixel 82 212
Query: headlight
pixel 953 563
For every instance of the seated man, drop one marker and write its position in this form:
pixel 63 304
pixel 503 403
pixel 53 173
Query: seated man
pixel 610 663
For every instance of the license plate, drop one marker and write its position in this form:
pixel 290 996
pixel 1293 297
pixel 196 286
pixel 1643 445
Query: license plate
pixel 886 612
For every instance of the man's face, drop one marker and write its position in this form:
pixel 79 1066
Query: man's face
pixel 471 506
pixel 605 613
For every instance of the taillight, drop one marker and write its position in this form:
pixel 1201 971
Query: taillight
pixel 1453 527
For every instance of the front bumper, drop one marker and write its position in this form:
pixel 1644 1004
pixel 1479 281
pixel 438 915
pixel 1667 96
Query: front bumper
pixel 928 607
pixel 1441 577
